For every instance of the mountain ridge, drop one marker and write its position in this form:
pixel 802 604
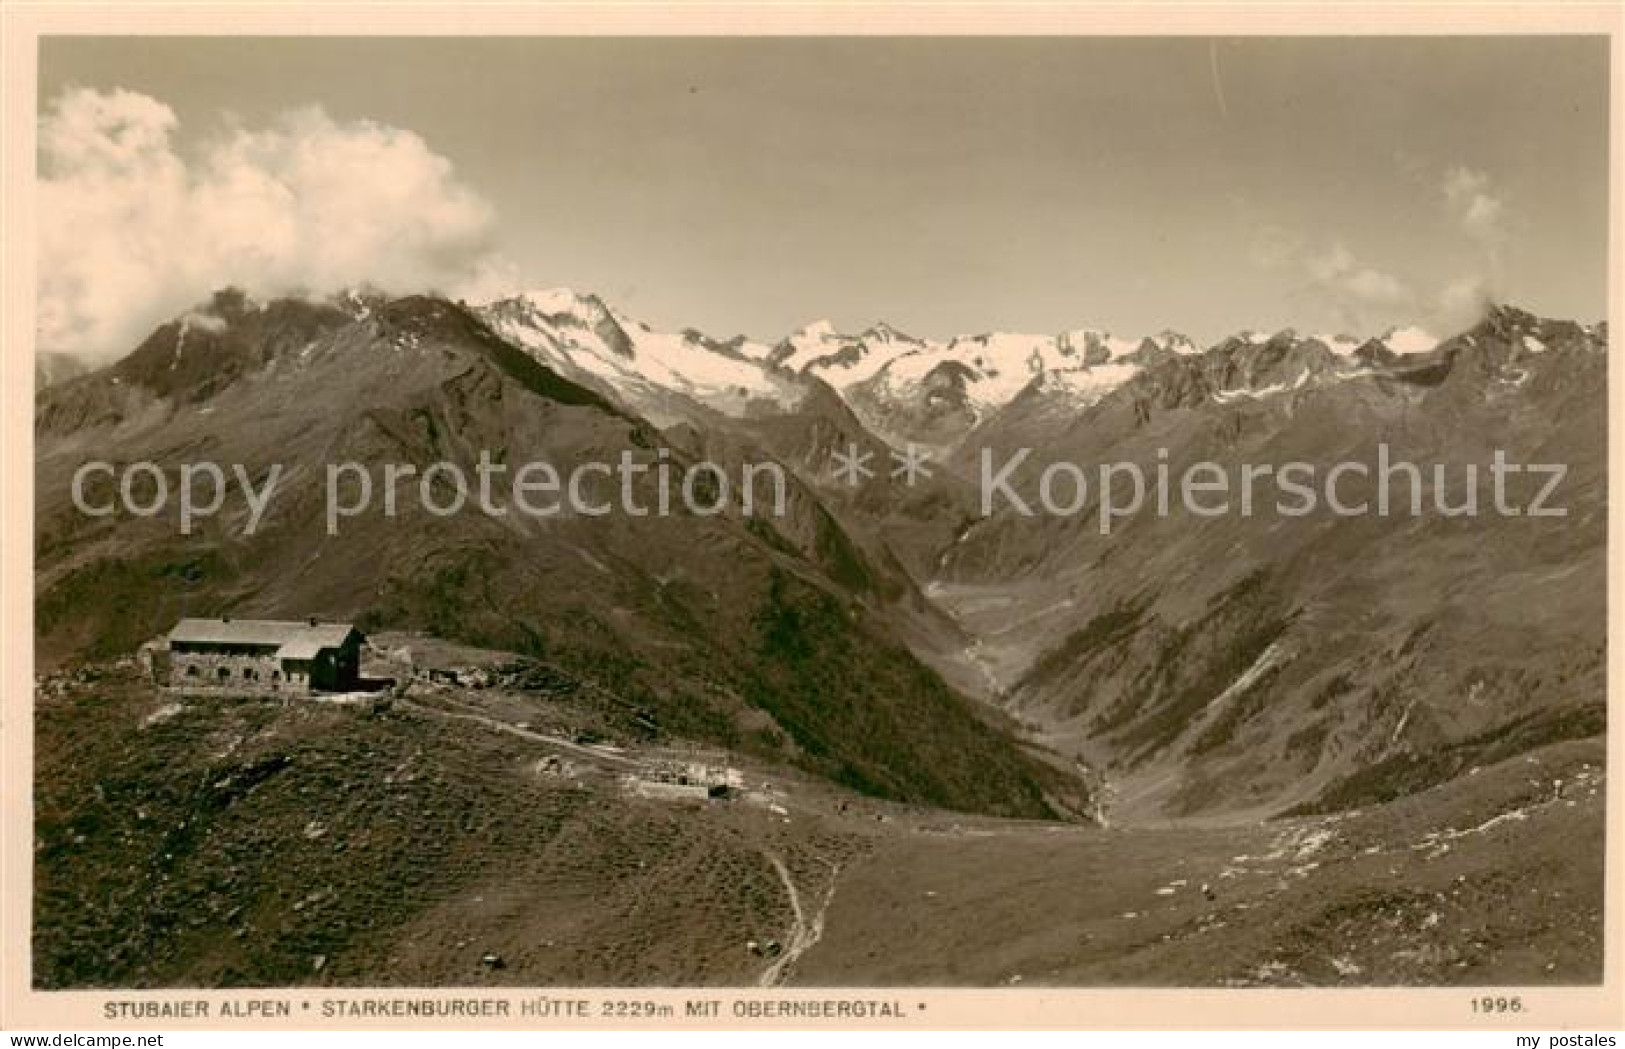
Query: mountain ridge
pixel 917 562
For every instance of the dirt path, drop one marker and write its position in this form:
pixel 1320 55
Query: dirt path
pixel 804 933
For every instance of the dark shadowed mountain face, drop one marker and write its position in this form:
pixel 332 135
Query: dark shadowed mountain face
pixel 772 636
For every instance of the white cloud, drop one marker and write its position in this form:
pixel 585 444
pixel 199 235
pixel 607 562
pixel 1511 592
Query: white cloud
pixel 133 232
pixel 1478 208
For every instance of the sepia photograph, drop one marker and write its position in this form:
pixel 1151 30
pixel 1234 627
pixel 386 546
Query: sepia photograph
pixel 879 514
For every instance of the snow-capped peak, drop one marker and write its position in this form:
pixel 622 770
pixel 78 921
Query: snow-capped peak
pixel 1094 345
pixel 353 301
pixel 809 345
pixel 886 374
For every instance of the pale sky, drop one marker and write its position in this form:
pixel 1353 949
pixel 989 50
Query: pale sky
pixel 944 185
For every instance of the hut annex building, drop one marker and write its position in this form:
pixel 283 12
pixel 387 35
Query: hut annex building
pixel 261 655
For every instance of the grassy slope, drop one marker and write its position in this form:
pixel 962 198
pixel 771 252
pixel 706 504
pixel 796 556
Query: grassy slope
pixel 240 844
